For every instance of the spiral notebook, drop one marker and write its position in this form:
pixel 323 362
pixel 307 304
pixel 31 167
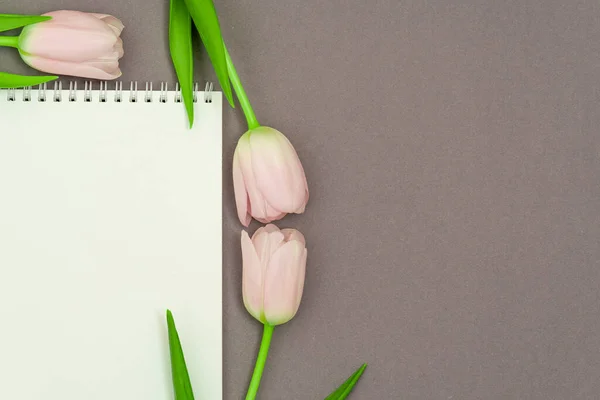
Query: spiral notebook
pixel 110 213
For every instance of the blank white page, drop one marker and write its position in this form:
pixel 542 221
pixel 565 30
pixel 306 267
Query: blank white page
pixel 110 213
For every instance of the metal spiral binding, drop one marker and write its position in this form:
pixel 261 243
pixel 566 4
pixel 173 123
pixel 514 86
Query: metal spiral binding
pixel 195 93
pixel 87 91
pixel 89 94
pixel 208 91
pixel 27 93
pixel 133 92
pixel 163 92
pixel 57 92
pixel 103 92
pixel 42 92
pixel 118 92
pixel 177 93
pixel 73 91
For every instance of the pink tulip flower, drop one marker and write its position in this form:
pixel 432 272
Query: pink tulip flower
pixel 74 43
pixel 268 178
pixel 273 279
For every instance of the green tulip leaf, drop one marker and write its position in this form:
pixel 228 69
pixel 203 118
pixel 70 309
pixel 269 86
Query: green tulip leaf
pixel 181 379
pixel 345 388
pixel 10 81
pixel 205 18
pixel 180 43
pixel 13 21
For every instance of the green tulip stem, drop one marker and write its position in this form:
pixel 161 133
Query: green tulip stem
pixel 260 360
pixel 9 41
pixel 240 92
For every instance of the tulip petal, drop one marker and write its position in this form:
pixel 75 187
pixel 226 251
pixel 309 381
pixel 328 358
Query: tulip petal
pixel 272 214
pixel 271 218
pixel 239 189
pixel 266 243
pixel 115 24
pixel 83 70
pixel 84 21
pixel 110 65
pixel 263 231
pixel 306 197
pixel 270 228
pixel 301 277
pixel 252 278
pixel 69 36
pixel 119 48
pixel 293 234
pixel 281 285
pixel 284 186
pixel 75 19
pixel 257 203
pixel 67 44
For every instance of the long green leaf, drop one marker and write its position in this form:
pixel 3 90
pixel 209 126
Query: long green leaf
pixel 205 18
pixel 345 388
pixel 181 379
pixel 180 43
pixel 13 21
pixel 9 81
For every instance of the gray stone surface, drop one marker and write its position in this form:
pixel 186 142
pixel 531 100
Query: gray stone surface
pixel 452 152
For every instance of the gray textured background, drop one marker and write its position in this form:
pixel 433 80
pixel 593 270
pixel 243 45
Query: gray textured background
pixel 452 153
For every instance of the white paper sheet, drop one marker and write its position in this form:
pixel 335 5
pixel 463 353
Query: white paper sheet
pixel 110 213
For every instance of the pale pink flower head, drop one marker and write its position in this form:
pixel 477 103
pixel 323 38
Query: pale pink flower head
pixel 268 178
pixel 273 278
pixel 74 43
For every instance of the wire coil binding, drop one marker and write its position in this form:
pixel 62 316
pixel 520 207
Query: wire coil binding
pixel 89 93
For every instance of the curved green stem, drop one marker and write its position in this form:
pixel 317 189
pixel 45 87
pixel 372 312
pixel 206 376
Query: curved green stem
pixel 9 41
pixel 240 92
pixel 260 362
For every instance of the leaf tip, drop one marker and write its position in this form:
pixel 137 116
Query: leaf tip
pixel 190 113
pixel 361 370
pixel 229 96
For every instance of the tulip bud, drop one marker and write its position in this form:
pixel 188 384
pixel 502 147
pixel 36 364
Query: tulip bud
pixel 274 263
pixel 74 43
pixel 268 178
